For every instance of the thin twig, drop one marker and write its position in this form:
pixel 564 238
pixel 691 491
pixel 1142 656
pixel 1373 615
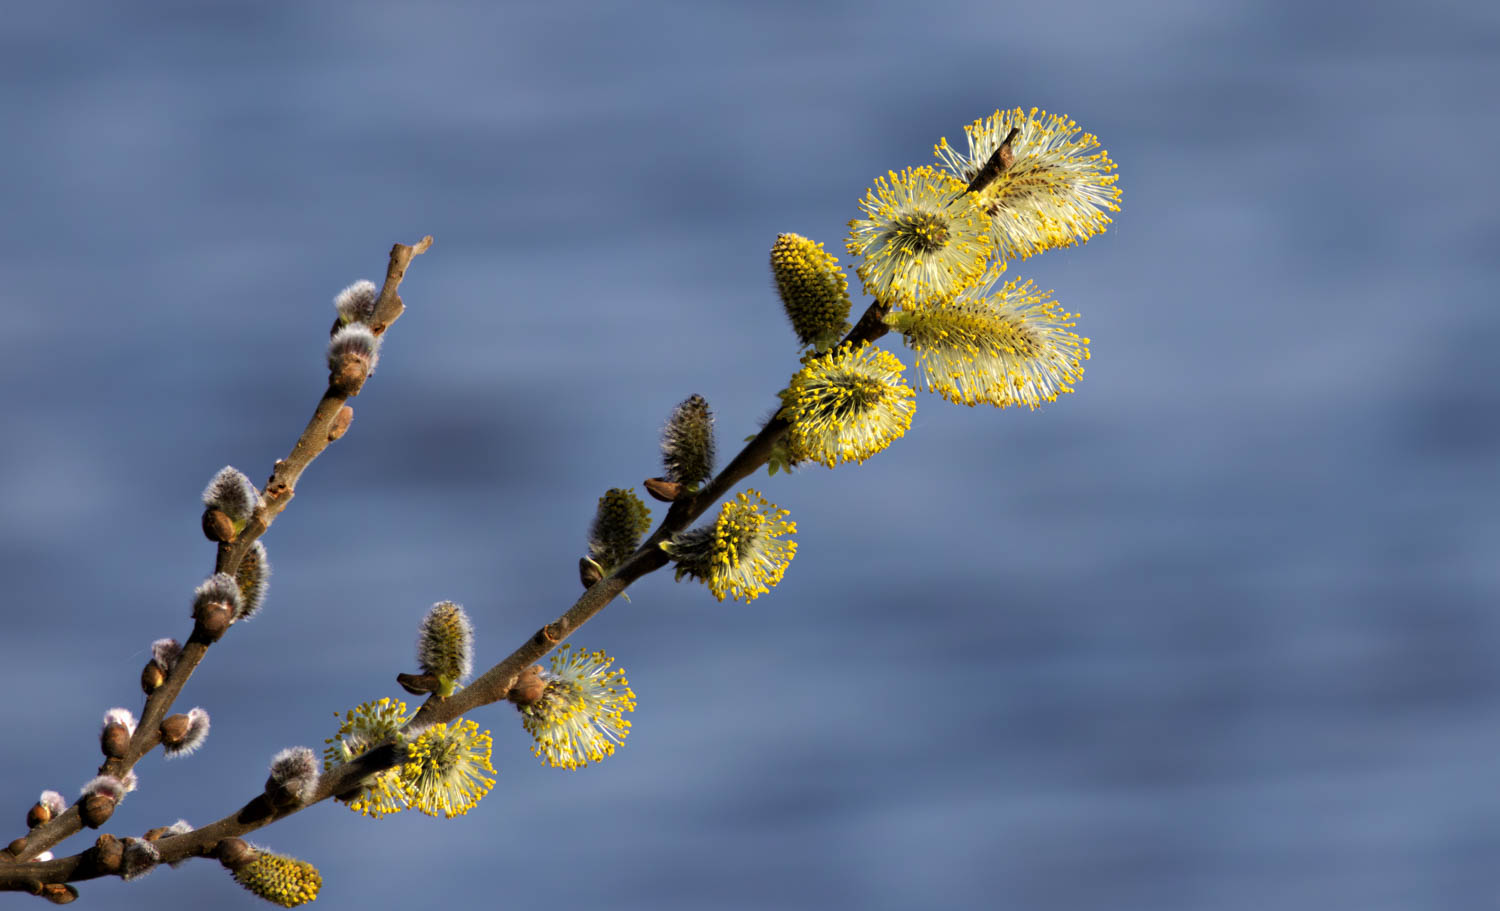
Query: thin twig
pixel 279 492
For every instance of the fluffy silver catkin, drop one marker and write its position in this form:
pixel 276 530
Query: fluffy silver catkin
pixel 231 492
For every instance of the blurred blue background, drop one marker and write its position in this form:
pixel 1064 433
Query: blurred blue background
pixel 1217 632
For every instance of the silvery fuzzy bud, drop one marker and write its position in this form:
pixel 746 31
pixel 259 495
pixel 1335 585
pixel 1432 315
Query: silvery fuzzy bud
pixel 687 443
pixel 231 493
pixel 341 422
pixel 215 605
pixel 294 777
pixel 139 858
pixel 164 652
pixel 353 353
pixel 619 523
pixel 356 303
pixel 252 578
pixel 100 797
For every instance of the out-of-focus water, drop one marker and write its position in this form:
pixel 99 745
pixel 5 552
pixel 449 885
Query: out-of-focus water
pixel 1218 632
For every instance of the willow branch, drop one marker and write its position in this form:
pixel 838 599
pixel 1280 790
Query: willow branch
pixel 278 493
pixel 491 687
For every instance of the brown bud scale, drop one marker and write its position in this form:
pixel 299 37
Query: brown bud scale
pixel 529 686
pixel 152 677
pixel 662 489
pixel 213 619
pixel 217 526
pixel 114 741
pixel 233 853
pixel 96 809
pixel 174 729
pixel 38 815
pixel 417 684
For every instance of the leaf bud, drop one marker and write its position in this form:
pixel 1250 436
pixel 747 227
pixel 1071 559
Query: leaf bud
pixel 445 646
pixel 59 893
pixel 341 422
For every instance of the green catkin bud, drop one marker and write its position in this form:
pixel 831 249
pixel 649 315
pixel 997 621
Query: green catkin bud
pixel 280 880
pixel 813 290
pixel 252 577
pixel 687 443
pixel 445 646
pixel 618 526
